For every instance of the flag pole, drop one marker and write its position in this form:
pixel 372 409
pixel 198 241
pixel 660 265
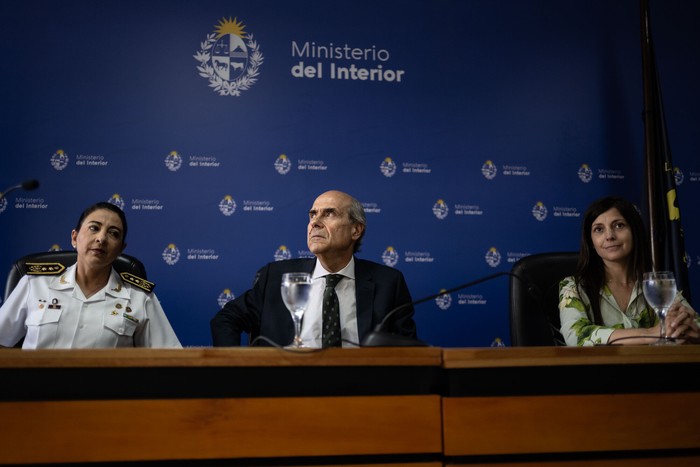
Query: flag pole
pixel 666 237
pixel 650 127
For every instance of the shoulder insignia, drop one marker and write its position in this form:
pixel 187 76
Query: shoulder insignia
pixel 137 281
pixel 45 269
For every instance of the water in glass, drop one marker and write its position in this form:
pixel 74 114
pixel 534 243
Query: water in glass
pixel 660 290
pixel 296 287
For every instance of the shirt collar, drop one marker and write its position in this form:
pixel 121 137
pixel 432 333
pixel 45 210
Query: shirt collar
pixel 115 286
pixel 64 281
pixel 347 271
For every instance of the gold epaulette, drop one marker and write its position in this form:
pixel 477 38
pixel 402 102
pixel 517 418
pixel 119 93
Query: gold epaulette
pixel 45 269
pixel 138 281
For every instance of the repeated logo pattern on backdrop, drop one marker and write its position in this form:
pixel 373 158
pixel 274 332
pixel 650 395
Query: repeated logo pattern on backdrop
pixel 464 164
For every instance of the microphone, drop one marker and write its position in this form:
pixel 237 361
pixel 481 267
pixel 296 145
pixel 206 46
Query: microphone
pixel 26 185
pixel 382 338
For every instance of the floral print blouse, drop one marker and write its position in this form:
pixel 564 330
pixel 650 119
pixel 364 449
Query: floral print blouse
pixel 576 314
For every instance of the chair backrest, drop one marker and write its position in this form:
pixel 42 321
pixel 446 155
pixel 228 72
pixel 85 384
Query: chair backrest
pixel 123 263
pixel 534 298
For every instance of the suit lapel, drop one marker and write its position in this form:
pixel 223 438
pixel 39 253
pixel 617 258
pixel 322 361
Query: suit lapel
pixel 309 266
pixel 364 291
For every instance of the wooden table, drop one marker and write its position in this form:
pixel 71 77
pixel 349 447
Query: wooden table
pixel 337 406
pixel 561 406
pixel 424 407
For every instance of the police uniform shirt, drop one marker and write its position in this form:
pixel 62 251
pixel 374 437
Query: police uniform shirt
pixel 55 313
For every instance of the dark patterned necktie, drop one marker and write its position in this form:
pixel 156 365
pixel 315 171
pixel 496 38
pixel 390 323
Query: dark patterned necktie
pixel 331 313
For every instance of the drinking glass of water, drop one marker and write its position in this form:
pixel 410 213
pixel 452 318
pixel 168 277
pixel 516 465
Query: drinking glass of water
pixel 296 287
pixel 660 290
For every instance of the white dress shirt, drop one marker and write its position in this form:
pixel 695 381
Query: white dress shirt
pixel 311 325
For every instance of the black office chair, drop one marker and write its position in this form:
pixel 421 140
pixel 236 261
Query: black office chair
pixel 534 298
pixel 48 260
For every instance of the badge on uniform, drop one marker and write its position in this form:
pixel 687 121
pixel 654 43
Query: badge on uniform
pixel 44 269
pixel 54 305
pixel 137 281
pixel 131 318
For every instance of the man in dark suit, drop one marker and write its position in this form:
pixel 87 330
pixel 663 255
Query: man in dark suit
pixel 366 292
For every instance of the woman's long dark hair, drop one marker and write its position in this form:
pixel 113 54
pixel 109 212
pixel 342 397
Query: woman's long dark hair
pixel 590 271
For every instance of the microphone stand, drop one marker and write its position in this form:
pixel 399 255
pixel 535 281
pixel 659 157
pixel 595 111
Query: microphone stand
pixel 381 338
pixel 27 185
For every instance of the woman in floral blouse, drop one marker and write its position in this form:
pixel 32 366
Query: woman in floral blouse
pixel 613 256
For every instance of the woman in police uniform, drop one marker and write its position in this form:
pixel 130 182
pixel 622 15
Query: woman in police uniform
pixel 88 305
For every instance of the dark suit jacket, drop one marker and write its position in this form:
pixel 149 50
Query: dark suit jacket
pixel 261 311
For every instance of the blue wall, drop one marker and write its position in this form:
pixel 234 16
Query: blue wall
pixel 509 117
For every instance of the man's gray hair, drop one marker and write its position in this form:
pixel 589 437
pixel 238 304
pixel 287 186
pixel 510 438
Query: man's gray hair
pixel 357 216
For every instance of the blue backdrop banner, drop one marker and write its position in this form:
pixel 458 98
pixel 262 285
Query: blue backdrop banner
pixel 474 133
